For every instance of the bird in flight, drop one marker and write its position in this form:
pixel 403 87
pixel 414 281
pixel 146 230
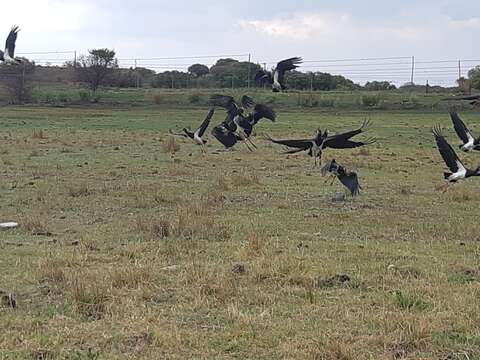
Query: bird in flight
pixel 276 77
pixel 197 135
pixel 337 141
pixel 469 142
pixel 457 170
pixel 348 178
pixel 314 146
pixel 239 127
pixel 8 56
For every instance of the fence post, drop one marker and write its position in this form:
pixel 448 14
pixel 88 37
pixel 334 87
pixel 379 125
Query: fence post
pixel 413 70
pixel 249 71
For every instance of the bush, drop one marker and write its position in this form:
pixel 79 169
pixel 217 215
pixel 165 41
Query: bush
pixel 370 100
pixel 194 98
pixel 84 95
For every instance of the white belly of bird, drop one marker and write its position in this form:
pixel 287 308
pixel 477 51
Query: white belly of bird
pixel 197 139
pixel 458 175
pixel 316 150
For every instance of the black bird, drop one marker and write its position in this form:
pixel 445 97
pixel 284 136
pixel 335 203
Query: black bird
pixel 233 108
pixel 314 146
pixel 276 77
pixel 348 178
pixel 338 141
pixel 342 141
pixel 8 57
pixel 458 170
pixel 240 127
pixel 469 142
pixel 196 135
pixel 472 99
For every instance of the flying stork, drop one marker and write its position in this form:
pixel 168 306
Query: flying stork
pixel 196 135
pixel 458 170
pixel 469 142
pixel 8 57
pixel 276 77
pixel 338 141
pixel 348 178
pixel 314 146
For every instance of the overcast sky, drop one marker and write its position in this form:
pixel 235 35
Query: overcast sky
pixel 269 30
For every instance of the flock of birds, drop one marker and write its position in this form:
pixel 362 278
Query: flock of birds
pixel 244 115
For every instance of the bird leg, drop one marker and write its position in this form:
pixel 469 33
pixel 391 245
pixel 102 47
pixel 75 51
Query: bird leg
pixel 251 142
pixel 248 147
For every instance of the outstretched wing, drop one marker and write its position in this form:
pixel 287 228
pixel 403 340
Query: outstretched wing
pixel 205 123
pixel 350 134
pixel 350 180
pixel 303 144
pixel 261 111
pixel 461 129
pixel 286 65
pixel 263 76
pixel 447 152
pixel 341 143
pixel 10 43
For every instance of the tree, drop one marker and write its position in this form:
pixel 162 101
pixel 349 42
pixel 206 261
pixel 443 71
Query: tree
pixel 474 76
pixel 379 85
pixel 228 72
pixel 95 67
pixel 198 70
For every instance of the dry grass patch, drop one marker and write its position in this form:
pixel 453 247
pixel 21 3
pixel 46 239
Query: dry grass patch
pixel 130 276
pixel 78 190
pixel 245 180
pixel 170 146
pixel 39 134
pixel 90 293
pixel 36 225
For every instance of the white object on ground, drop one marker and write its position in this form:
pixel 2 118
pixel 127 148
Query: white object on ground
pixel 8 225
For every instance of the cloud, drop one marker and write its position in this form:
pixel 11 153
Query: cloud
pixel 47 15
pixel 298 26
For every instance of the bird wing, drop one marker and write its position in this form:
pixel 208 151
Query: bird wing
pixel 338 142
pixel 303 144
pixel 350 134
pixel 10 43
pixel 227 102
pixel 247 101
pixel 263 76
pixel 447 152
pixel 286 65
pixel 261 111
pixel 326 168
pixel 350 180
pixel 205 123
pixel 460 128
pixel 226 137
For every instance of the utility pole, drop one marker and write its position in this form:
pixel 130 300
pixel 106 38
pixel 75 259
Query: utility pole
pixel 75 59
pixel 249 70
pixel 264 68
pixel 413 70
pixel 137 79
pixel 459 69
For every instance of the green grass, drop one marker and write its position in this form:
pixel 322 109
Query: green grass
pixel 112 259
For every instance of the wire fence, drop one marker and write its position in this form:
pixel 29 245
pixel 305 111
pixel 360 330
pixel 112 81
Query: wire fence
pixel 397 70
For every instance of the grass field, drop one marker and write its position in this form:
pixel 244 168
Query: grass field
pixel 126 250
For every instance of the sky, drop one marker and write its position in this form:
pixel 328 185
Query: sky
pixel 316 30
